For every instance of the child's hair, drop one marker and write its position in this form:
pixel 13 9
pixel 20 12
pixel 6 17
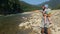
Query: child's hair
pixel 43 9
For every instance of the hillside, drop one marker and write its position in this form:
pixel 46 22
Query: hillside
pixel 54 4
pixel 15 6
pixel 9 7
pixel 27 7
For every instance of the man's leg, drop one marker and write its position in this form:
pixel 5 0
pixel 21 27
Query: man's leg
pixel 48 31
pixel 49 19
pixel 45 18
pixel 49 15
pixel 42 31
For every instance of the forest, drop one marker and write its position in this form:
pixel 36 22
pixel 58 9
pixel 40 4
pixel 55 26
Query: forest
pixel 17 6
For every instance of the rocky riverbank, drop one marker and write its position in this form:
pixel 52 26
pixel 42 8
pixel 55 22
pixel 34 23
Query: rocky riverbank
pixel 33 22
pixel 28 23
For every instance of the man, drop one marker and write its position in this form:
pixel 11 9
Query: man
pixel 46 14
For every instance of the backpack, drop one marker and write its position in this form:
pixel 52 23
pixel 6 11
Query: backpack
pixel 48 11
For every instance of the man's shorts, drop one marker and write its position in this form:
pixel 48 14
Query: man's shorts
pixel 42 24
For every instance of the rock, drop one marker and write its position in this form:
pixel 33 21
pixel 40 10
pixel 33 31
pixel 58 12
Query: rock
pixel 34 22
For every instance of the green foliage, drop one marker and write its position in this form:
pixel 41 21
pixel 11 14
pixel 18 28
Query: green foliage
pixel 9 7
pixel 15 6
pixel 27 7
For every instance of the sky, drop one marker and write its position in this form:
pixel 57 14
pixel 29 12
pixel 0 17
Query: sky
pixel 35 2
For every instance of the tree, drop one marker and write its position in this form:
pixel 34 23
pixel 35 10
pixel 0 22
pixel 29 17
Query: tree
pixel 9 7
